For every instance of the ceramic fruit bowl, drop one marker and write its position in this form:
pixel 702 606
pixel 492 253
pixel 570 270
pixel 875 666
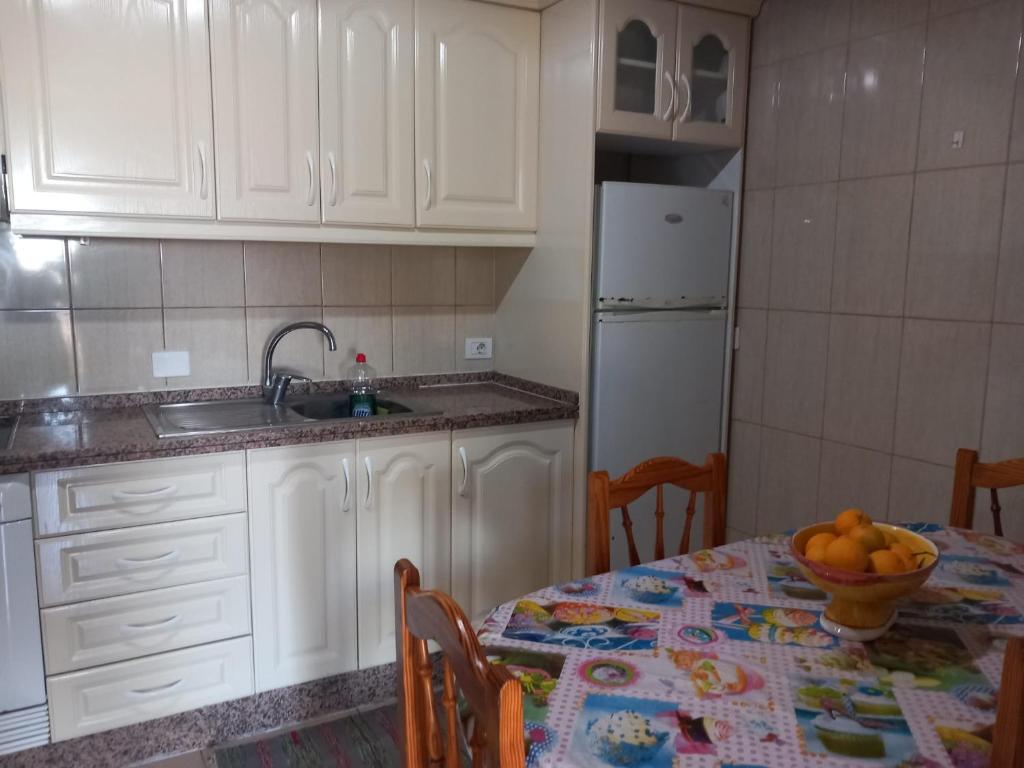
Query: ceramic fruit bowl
pixel 862 606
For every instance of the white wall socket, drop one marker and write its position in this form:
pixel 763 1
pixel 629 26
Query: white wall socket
pixel 478 349
pixel 171 364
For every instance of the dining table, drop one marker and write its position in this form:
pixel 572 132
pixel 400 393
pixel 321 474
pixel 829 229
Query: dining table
pixel 718 658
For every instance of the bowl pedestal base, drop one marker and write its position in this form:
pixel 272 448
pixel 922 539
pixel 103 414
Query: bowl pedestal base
pixel 859 622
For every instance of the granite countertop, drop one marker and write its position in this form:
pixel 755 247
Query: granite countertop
pixel 100 429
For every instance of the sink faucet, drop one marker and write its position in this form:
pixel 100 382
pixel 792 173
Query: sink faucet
pixel 275 385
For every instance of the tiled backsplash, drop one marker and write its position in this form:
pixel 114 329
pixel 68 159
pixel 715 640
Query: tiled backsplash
pixel 881 295
pixel 85 317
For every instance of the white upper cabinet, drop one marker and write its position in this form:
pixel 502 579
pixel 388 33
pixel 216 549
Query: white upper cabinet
pixel 404 511
pixel 712 51
pixel 511 513
pixel 477 92
pixel 636 77
pixel 366 111
pixel 108 106
pixel 265 104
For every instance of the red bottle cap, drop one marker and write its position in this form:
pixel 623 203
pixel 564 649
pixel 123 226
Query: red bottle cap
pixel 360 358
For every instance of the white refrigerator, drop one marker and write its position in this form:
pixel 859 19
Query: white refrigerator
pixel 661 284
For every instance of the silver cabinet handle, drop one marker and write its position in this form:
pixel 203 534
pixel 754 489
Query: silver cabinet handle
pixel 684 115
pixel 156 689
pixel 127 562
pixel 166 490
pixel 334 179
pixel 429 196
pixel 151 625
pixel 671 98
pixel 311 189
pixel 348 485
pixel 465 470
pixel 368 463
pixel 201 150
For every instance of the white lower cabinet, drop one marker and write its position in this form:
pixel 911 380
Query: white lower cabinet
pixel 131 691
pixel 404 511
pixel 511 512
pixel 303 544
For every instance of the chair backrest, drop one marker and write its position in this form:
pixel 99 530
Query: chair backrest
pixel 970 474
pixel 605 494
pixel 493 694
pixel 1008 741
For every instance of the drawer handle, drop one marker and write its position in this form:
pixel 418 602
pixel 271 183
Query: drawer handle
pixel 131 561
pixel 156 689
pixel 167 490
pixel 152 624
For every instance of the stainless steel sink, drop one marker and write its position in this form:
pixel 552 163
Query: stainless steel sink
pixel 219 416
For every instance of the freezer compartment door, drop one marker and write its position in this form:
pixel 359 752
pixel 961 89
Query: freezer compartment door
pixel 656 391
pixel 660 246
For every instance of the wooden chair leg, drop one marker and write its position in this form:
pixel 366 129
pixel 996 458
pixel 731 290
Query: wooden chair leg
pixel 1008 745
pixel 962 513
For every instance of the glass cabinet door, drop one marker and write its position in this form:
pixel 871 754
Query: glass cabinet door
pixel 637 73
pixel 711 68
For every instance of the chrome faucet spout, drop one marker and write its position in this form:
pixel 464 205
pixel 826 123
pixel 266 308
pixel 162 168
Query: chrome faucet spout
pixel 275 385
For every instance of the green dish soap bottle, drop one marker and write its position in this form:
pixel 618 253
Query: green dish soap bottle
pixel 363 400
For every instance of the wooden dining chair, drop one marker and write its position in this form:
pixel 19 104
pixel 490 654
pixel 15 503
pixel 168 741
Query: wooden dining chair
pixel 605 494
pixel 1008 740
pixel 970 474
pixel 493 694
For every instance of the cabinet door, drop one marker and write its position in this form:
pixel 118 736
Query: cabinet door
pixel 366 111
pixel 303 574
pixel 404 511
pixel 636 86
pixel 512 513
pixel 108 106
pixel 712 52
pixel 477 92
pixel 265 103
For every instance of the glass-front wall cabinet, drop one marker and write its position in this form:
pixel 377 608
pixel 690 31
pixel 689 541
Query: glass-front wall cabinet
pixel 673 71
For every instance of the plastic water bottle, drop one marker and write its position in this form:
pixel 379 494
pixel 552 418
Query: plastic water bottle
pixel 363 400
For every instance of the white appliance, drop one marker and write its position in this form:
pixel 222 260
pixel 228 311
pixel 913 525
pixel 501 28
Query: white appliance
pixel 661 283
pixel 24 721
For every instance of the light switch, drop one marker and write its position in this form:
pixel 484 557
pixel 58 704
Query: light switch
pixel 168 364
pixel 478 349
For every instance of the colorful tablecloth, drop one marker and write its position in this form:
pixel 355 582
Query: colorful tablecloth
pixel 718 659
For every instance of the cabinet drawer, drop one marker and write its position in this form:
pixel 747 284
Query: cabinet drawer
pixel 15 499
pixel 108 563
pixel 139 492
pixel 120 628
pixel 143 689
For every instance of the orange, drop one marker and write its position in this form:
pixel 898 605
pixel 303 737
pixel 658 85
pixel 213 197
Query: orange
pixel 819 540
pixel 886 561
pixel 890 539
pixel 817 553
pixel 849 519
pixel 905 554
pixel 872 538
pixel 848 554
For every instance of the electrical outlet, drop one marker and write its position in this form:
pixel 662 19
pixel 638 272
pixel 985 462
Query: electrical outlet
pixel 478 349
pixel 170 364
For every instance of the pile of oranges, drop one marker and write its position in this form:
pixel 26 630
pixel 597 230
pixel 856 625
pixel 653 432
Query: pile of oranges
pixel 858 545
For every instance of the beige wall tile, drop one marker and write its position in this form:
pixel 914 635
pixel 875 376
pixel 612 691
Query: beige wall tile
pixel 794 377
pixel 114 349
pixel 817 24
pixel 202 273
pixel 1003 431
pixel 282 274
pixel 358 329
pixel 942 389
pixel 474 276
pixel 33 272
pixel 883 99
pixel 356 275
pixel 762 127
pixel 115 272
pixel 424 339
pixel 943 7
pixel 810 117
pixel 788 481
pixel 756 244
pixel 744 460
pixel 919 492
pixel 473 322
pixel 37 358
pixel 423 276
pixel 748 365
pixel 954 244
pixel 872 17
pixel 1010 278
pixel 872 237
pixel 215 341
pixel 968 86
pixel 1017 129
pixel 803 237
pixel 863 373
pixel 766 34
pixel 853 477
pixel 301 351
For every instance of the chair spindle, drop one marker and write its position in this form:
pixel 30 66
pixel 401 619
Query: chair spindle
pixel 691 509
pixel 997 516
pixel 659 518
